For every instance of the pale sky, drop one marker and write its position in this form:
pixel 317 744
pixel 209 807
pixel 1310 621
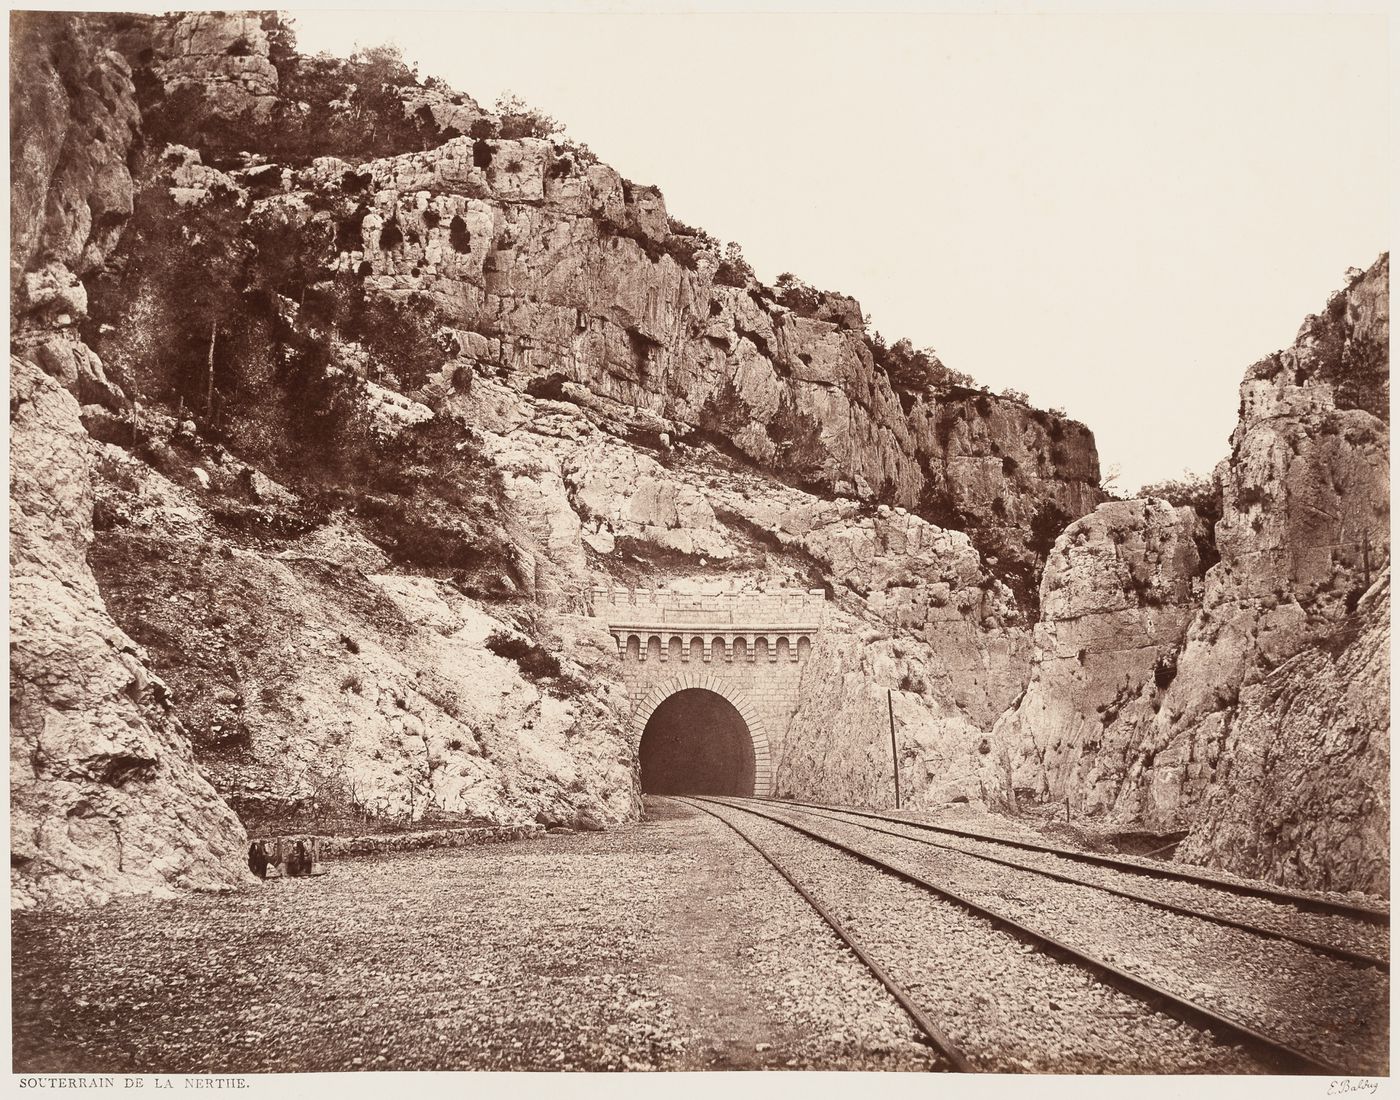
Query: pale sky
pixel 1116 214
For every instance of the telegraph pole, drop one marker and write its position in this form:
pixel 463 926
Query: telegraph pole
pixel 894 748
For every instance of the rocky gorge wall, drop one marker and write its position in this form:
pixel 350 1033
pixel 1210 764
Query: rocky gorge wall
pixel 105 795
pixel 375 386
pixel 1190 711
pixel 558 274
pixel 1117 597
pixel 360 434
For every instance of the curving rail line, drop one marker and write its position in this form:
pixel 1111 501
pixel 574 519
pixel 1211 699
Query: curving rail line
pixel 1308 902
pixel 1346 954
pixel 1279 1055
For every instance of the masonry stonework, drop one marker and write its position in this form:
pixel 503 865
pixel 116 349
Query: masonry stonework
pixel 748 647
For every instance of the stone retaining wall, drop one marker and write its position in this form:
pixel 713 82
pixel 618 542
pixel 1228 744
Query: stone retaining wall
pixel 280 848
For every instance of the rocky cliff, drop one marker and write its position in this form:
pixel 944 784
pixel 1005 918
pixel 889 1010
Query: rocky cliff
pixel 553 272
pixel 1118 594
pixel 1300 795
pixel 374 386
pixel 105 795
pixel 377 384
pixel 1192 706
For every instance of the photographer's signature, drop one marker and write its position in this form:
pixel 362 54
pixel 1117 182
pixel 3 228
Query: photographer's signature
pixel 1347 1085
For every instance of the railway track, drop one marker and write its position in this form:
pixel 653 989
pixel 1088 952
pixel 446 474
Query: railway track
pixel 1265 1050
pixel 1305 902
pixel 1343 952
pixel 937 1037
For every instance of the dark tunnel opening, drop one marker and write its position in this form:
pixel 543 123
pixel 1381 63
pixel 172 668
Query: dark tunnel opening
pixel 697 743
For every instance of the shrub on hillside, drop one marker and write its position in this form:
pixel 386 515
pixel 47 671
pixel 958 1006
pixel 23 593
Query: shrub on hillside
pixel 685 243
pixel 534 660
pixel 349 108
pixel 913 370
pixel 1202 494
pixel 734 270
pixel 520 120
pixel 800 297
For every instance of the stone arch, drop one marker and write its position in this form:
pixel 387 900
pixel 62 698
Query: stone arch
pixel 758 733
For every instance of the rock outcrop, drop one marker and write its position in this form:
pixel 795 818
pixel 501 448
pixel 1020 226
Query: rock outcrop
pixel 1301 795
pixel 1304 529
pixel 316 684
pixel 223 56
pixel 105 796
pixel 1117 596
pixel 1203 693
pixel 73 124
pixel 581 287
pixel 73 121
pixel 379 385
pixel 565 279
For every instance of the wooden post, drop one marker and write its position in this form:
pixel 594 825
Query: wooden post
pixel 209 390
pixel 894 748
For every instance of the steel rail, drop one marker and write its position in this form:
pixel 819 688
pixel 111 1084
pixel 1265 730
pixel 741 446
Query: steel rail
pixel 1275 1053
pixel 941 1042
pixel 1287 897
pixel 1346 954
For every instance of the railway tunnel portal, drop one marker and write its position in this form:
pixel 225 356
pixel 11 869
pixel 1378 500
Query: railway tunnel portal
pixel 713 680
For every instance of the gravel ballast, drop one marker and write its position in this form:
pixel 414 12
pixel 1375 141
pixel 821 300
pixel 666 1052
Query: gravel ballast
pixel 996 826
pixel 1327 928
pixel 1334 1010
pixel 1009 1007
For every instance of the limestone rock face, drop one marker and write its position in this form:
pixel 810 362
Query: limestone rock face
pixel 929 586
pixel 73 121
pixel 838 747
pixel 106 798
pixel 312 689
pixel 1301 795
pixel 355 515
pixel 225 55
pixel 556 273
pixel 1011 475
pixel 621 492
pixel 913 608
pixel 1305 526
pixel 583 285
pixel 1118 593
pixel 1158 698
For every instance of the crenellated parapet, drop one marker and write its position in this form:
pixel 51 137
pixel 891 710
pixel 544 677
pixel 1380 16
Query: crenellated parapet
pixel 721 627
